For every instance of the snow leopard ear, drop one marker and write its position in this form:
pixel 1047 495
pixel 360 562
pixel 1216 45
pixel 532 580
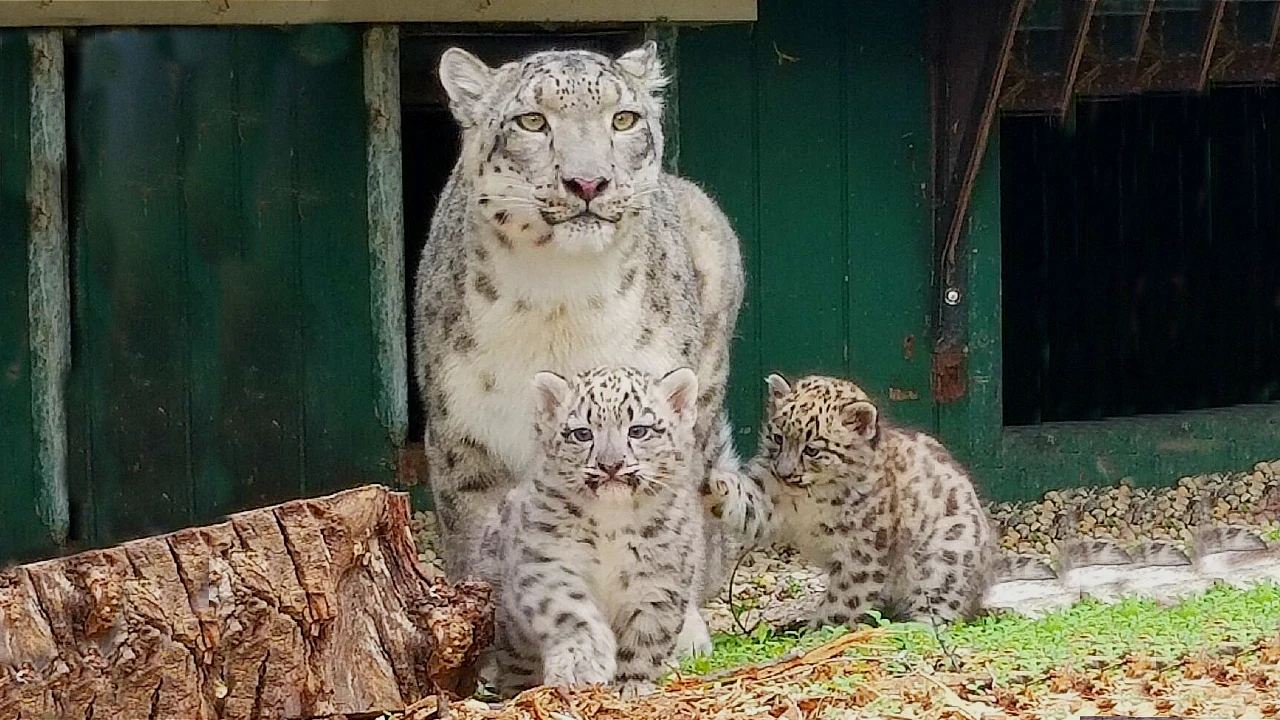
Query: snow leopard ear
pixel 466 78
pixel 553 393
pixel 861 417
pixel 644 65
pixel 778 387
pixel 680 389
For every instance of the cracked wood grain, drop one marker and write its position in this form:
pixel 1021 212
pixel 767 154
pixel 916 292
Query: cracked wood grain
pixel 313 608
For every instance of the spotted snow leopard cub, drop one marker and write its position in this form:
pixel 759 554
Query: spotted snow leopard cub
pixel 596 556
pixel 890 515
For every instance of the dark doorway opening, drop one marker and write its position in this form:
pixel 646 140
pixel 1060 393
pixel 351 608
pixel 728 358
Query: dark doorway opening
pixel 1141 256
pixel 431 139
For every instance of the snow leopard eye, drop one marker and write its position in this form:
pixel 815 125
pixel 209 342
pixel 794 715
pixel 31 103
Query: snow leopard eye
pixel 776 439
pixel 582 435
pixel 625 120
pixel 811 451
pixel 639 432
pixel 532 122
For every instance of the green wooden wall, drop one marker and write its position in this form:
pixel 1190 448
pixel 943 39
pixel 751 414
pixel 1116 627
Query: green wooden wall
pixel 21 532
pixel 222 349
pixel 811 127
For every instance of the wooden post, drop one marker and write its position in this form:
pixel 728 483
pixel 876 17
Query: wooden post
pixel 665 35
pixel 49 299
pixel 386 227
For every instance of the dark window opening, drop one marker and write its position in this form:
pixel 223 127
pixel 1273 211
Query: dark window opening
pixel 431 139
pixel 1141 256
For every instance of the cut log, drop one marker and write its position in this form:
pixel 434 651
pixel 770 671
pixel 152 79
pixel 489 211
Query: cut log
pixel 308 609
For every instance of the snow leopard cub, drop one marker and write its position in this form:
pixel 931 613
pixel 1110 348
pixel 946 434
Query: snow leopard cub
pixel 891 516
pixel 596 558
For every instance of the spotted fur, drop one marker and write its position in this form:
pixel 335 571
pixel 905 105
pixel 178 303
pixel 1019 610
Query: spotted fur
pixel 890 515
pixel 597 558
pixel 560 244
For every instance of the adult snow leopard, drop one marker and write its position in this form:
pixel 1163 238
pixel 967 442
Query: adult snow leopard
pixel 559 244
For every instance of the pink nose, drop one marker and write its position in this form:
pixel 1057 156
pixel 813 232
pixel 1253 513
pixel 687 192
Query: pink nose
pixel 586 188
pixel 612 469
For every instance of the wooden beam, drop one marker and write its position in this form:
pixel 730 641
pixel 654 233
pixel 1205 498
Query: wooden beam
pixel 1107 74
pixel 48 268
pixel 1165 68
pixel 1210 43
pixel 1041 91
pixel 665 35
pixel 1238 61
pixel 38 13
pixel 385 197
pixel 1275 25
pixel 1078 40
pixel 975 43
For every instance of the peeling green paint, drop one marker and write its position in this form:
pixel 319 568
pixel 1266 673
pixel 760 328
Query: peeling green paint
pixel 47 267
pixel 386 227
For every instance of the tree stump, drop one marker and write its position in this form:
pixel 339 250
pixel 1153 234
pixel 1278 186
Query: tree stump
pixel 312 608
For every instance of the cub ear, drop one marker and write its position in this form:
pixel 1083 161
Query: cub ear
pixel 861 417
pixel 778 387
pixel 644 66
pixel 466 78
pixel 680 389
pixel 553 392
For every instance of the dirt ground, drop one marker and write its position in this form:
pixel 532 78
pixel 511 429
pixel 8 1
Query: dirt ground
pixel 857 676
pixel 848 678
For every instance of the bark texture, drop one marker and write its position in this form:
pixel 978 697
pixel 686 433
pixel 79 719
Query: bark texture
pixel 312 608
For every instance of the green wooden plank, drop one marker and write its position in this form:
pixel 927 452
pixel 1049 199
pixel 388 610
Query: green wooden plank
pixel 1151 450
pixel 345 443
pixel 718 141
pixel 131 249
pixel 230 430
pixel 971 428
pixel 216 258
pixel 890 251
pixel 83 172
pixel 802 170
pixel 22 534
pixel 260 309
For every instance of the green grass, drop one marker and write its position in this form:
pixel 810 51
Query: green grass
pixel 762 645
pixel 1090 630
pixel 1084 634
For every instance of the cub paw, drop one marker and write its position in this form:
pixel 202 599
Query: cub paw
pixel 734 499
pixel 635 688
pixel 694 638
pixel 576 667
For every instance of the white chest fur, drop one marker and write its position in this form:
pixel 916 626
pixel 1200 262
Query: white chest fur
pixel 555 313
pixel 616 554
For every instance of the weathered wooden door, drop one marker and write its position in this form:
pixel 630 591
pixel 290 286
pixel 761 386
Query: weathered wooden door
pixel 222 343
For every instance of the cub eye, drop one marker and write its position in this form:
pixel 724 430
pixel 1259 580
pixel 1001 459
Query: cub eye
pixel 582 435
pixel 625 120
pixel 776 438
pixel 639 432
pixel 533 122
pixel 811 450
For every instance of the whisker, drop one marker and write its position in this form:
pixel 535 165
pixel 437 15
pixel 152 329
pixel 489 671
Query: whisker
pixel 508 197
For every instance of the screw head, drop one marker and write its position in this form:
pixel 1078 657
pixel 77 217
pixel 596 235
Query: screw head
pixel 952 296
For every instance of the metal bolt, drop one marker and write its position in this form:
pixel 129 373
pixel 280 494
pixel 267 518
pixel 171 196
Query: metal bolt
pixel 952 296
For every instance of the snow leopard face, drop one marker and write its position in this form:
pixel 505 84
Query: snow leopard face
pixel 616 431
pixel 561 147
